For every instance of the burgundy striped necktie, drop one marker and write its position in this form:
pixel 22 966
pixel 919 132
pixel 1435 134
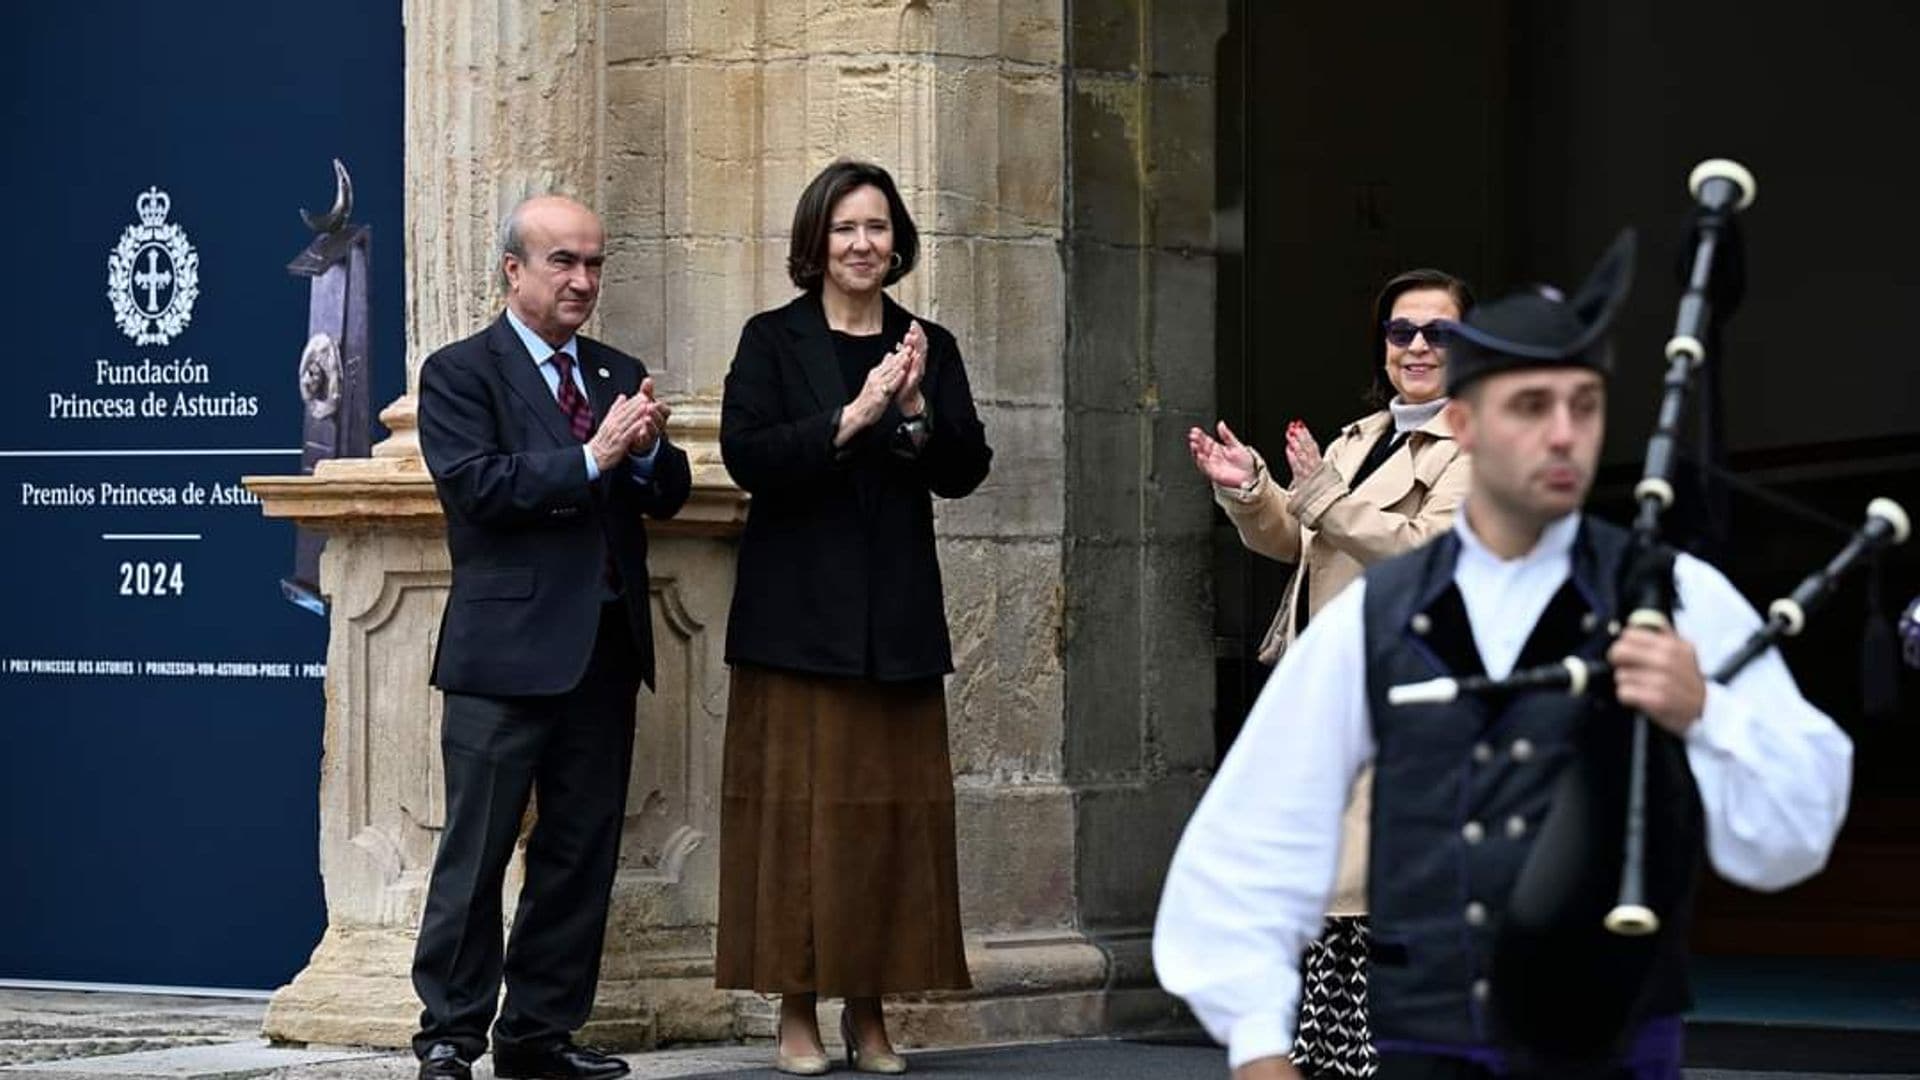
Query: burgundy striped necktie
pixel 572 403
pixel 580 421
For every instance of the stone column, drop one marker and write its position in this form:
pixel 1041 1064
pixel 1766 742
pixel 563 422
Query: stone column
pixel 1138 633
pixel 1058 160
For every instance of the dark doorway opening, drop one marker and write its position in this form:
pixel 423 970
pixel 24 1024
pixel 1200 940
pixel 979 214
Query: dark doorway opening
pixel 1508 142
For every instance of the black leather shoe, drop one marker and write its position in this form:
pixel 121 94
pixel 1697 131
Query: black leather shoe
pixel 443 1062
pixel 558 1061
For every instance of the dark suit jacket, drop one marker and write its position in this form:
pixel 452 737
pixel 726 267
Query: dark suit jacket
pixel 837 571
pixel 528 534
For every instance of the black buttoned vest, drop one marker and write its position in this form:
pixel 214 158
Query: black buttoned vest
pixel 1462 792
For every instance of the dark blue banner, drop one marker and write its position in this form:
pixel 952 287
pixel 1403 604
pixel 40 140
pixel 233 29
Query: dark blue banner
pixel 160 701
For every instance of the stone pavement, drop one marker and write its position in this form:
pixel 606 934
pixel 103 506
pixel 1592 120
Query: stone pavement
pixel 52 1035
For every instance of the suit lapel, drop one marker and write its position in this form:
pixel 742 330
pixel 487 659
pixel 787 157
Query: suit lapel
pixel 813 346
pixel 597 369
pixel 518 368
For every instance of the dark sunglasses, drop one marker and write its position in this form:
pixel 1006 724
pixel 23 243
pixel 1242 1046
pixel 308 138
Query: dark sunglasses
pixel 1439 332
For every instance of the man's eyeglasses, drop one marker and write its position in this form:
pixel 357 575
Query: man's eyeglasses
pixel 1400 332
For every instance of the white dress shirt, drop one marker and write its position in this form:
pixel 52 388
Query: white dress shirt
pixel 1250 880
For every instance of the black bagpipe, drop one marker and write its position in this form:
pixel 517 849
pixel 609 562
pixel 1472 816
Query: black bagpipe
pixel 1595 925
pixel 1886 525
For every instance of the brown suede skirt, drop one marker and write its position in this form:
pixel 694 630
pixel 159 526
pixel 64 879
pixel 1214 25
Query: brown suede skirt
pixel 837 866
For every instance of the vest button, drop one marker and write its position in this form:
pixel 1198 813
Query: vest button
pixel 1482 990
pixel 1522 750
pixel 1473 832
pixel 1516 827
pixel 1589 623
pixel 1482 753
pixel 1476 914
pixel 1420 624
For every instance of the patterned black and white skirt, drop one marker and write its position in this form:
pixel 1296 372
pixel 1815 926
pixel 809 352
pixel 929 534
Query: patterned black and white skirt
pixel 1333 1039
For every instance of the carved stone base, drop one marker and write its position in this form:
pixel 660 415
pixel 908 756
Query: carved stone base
pixel 356 990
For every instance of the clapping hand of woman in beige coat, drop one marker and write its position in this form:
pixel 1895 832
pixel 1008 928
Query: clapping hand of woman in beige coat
pixel 1303 453
pixel 1226 461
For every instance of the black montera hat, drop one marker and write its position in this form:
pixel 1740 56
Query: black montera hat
pixel 1539 328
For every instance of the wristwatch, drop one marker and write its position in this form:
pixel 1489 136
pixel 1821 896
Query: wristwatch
pixel 1254 479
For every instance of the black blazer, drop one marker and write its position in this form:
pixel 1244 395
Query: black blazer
pixel 837 571
pixel 528 534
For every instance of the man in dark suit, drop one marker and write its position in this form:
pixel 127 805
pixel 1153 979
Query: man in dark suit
pixel 547 449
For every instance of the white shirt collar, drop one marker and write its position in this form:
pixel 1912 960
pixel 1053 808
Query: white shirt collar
pixel 537 345
pixel 1555 542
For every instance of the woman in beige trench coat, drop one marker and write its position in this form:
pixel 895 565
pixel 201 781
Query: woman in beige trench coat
pixel 1388 482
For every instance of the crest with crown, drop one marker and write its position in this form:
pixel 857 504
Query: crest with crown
pixel 153 205
pixel 153 274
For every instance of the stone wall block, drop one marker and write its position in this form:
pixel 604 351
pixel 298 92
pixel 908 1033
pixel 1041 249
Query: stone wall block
pixel 1032 31
pixel 1126 839
pixel 634 176
pixel 1105 35
pixel 1016 857
pixel 721 152
pixel 639 30
pixel 1028 184
pixel 1184 37
pixel 1180 156
pixel 860 108
pixel 853 26
pixel 1106 125
pixel 712 290
pixel 1178 656
pixel 1106 291
pixel 966 200
pixel 633 289
pixel 1105 473
pixel 1004 698
pixel 1104 623
pixel 1021 497
pixel 724 29
pixel 786 160
pixel 1028 313
pixel 1182 347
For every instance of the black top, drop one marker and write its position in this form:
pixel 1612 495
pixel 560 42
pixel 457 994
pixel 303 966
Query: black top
pixel 837 572
pixel 858 354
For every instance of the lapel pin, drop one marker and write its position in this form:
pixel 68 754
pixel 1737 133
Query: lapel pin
pixel 603 373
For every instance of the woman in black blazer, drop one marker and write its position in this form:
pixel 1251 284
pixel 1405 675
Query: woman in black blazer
pixel 843 416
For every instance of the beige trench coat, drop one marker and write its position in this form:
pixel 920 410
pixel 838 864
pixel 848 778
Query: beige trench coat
pixel 1331 534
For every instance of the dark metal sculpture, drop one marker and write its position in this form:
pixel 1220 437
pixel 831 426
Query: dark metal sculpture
pixel 333 368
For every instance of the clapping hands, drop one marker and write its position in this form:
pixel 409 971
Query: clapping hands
pixel 633 425
pixel 1227 462
pixel 895 379
pixel 1303 454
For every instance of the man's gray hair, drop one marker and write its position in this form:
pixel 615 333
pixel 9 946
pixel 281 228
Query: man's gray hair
pixel 511 242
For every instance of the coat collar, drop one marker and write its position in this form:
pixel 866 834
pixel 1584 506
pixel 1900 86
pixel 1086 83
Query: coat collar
pixel 1391 482
pixel 813 344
